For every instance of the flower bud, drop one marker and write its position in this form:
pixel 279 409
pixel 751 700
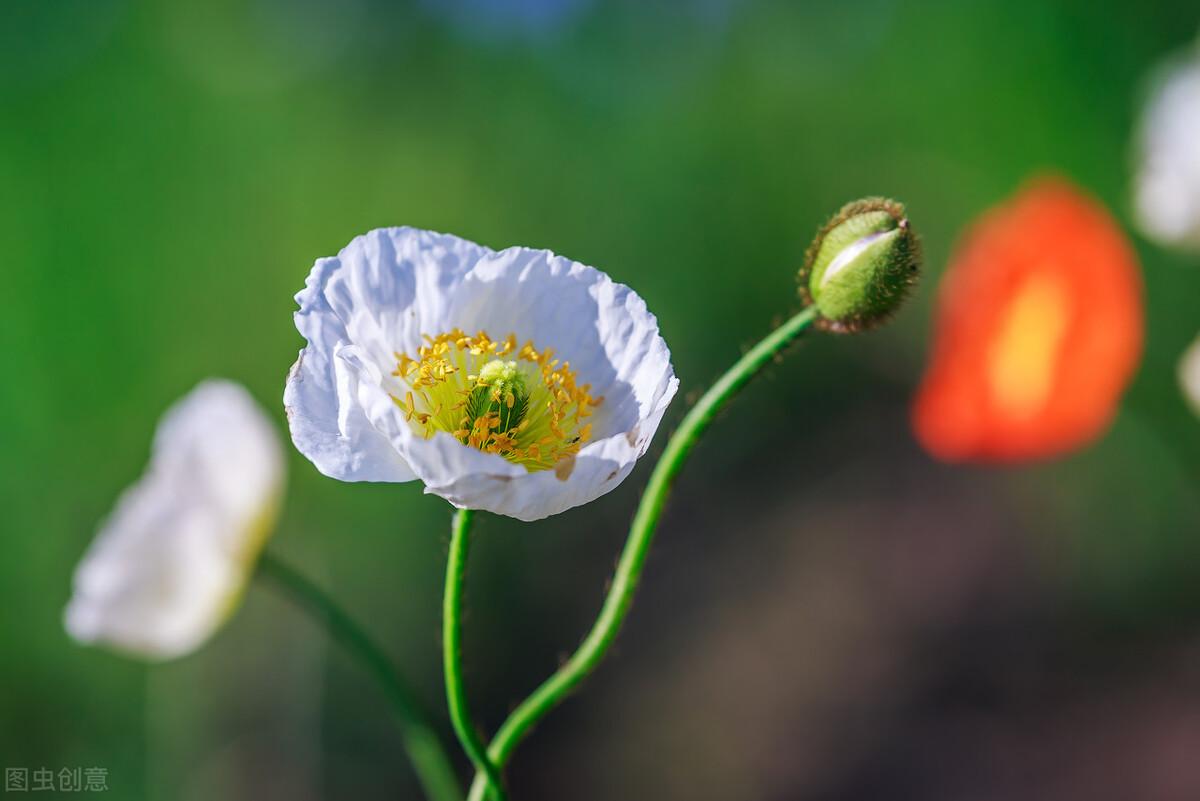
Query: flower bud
pixel 860 265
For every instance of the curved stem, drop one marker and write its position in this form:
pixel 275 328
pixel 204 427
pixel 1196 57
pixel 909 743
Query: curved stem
pixel 456 694
pixel 633 557
pixel 433 767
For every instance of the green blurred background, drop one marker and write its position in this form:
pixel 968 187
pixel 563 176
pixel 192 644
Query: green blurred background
pixel 827 613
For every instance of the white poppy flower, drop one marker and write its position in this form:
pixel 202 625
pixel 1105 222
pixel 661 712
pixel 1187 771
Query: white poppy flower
pixel 517 382
pixel 1189 375
pixel 1167 193
pixel 170 563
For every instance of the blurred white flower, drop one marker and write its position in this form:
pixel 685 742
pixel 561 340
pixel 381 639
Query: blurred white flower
pixel 517 382
pixel 170 563
pixel 1189 375
pixel 1167 192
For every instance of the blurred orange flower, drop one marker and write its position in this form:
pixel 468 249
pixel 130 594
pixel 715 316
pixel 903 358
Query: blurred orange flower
pixel 1038 331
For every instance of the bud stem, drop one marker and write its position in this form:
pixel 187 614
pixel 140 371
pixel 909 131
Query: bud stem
pixel 633 557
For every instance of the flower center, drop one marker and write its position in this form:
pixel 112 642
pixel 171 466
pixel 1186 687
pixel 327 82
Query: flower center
pixel 1023 356
pixel 520 403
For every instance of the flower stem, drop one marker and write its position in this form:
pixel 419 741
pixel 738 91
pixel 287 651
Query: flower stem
pixel 430 761
pixel 456 694
pixel 633 557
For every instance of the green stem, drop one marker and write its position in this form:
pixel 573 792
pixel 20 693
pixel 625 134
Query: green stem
pixel 456 694
pixel 633 557
pixel 430 761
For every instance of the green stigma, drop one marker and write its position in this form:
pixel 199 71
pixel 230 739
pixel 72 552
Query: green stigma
pixel 500 393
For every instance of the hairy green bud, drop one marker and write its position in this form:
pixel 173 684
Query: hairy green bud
pixel 861 265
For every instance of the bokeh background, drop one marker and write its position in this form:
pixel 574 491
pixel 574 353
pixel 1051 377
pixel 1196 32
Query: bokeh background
pixel 827 613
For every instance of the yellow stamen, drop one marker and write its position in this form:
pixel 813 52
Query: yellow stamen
pixel 439 380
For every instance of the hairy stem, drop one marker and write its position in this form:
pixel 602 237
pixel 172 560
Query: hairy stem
pixel 430 761
pixel 456 694
pixel 633 557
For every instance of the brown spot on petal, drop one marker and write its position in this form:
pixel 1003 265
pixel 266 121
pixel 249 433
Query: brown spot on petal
pixel 611 476
pixel 564 468
pixel 294 372
pixel 631 437
pixel 294 376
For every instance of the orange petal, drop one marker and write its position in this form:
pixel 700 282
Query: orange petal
pixel 1038 331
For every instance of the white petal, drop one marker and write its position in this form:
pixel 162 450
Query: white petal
pixel 1167 193
pixel 389 287
pixel 1189 375
pixel 368 297
pixel 326 423
pixel 169 564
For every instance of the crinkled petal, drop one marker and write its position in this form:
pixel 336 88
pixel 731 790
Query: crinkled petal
pixel 326 423
pixel 390 287
pixel 169 564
